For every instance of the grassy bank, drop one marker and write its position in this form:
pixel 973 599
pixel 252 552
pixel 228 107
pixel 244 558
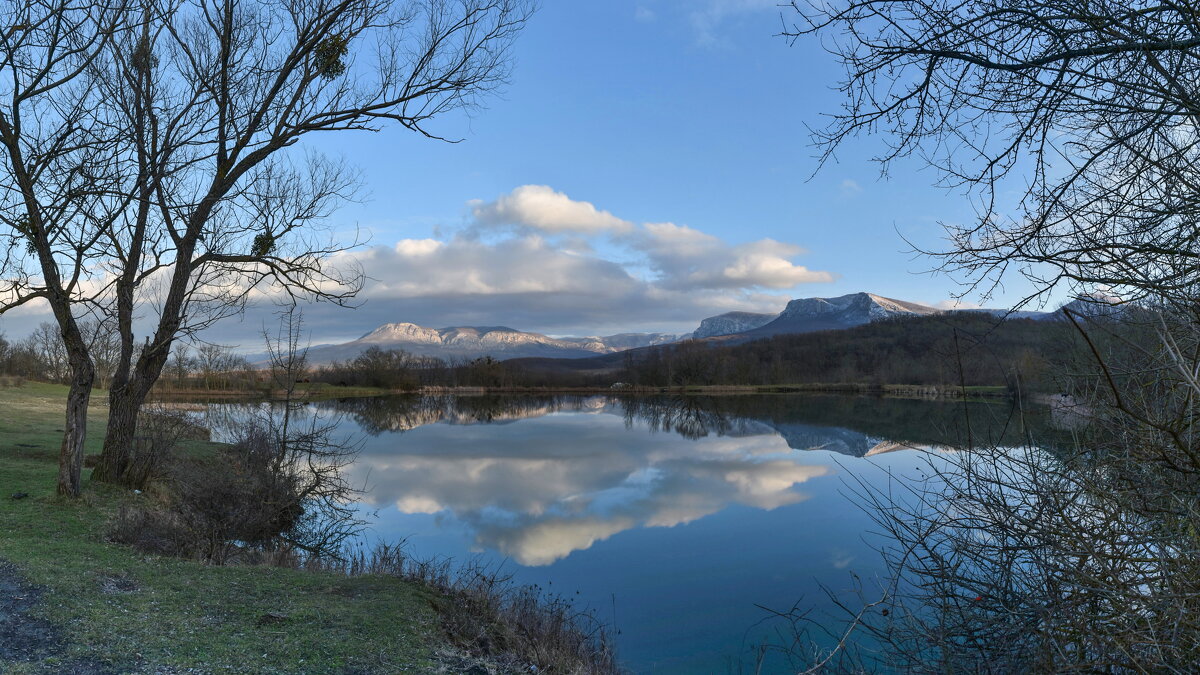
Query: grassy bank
pixel 110 609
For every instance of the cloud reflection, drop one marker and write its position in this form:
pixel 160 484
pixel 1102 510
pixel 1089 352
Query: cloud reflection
pixel 538 477
pixel 540 490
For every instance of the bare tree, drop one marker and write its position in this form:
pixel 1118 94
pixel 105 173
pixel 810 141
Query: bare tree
pixel 151 169
pixel 58 167
pixel 181 363
pixel 1073 123
pixel 216 94
pixel 1079 558
pixel 46 342
pixel 303 450
pixel 213 360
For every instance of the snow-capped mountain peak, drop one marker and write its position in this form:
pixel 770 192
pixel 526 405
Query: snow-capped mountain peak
pixel 811 314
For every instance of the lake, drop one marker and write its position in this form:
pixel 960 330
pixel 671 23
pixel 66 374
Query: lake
pixel 676 519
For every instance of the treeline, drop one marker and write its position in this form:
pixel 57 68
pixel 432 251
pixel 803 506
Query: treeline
pixel 944 350
pixel 398 369
pixel 949 350
pixel 959 349
pixel 41 355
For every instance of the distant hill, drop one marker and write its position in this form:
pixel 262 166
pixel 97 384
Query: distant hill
pixel 807 315
pixel 500 342
pixel 934 348
pixel 802 315
pixel 730 323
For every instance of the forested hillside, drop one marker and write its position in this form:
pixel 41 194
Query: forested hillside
pixel 948 349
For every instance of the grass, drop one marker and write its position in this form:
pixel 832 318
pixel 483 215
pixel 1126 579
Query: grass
pixel 137 613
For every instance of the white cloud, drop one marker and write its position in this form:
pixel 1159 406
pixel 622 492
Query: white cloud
pixel 708 19
pixel 537 260
pixel 687 258
pixel 643 14
pixel 534 283
pixel 957 304
pixel 462 266
pixel 849 188
pixel 541 208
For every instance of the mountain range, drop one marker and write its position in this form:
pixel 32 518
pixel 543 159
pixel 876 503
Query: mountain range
pixel 468 342
pixel 802 315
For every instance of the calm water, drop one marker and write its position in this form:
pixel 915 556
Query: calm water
pixel 675 519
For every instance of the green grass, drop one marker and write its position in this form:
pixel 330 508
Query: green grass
pixel 182 614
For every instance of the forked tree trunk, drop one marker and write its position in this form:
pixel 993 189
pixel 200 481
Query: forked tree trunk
pixel 124 403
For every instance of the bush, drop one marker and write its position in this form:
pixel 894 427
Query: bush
pixel 259 494
pixel 159 434
pixel 494 621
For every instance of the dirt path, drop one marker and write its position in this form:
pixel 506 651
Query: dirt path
pixel 25 638
pixel 22 637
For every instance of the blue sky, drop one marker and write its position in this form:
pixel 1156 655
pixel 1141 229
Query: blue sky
pixel 648 165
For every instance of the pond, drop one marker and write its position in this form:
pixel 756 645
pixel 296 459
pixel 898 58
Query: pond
pixel 679 520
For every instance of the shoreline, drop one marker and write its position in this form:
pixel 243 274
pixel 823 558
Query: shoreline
pixel 941 392
pixel 93 605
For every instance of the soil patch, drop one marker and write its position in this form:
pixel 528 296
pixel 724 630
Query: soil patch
pixel 23 637
pixel 28 638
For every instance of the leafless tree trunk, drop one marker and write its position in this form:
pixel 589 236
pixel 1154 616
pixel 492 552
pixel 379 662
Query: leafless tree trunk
pixel 58 164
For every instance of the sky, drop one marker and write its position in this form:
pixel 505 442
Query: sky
pixel 648 165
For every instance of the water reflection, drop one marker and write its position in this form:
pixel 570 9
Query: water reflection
pixel 538 492
pixel 682 513
pixel 845 424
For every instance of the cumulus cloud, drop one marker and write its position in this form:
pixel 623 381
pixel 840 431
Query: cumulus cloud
pixel 532 260
pixel 687 258
pixel 541 208
pixel 535 259
pixel 464 266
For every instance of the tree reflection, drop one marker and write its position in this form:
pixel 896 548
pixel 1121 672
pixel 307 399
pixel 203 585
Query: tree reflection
pixel 855 426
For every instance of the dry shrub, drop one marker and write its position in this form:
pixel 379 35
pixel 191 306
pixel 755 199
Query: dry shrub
pixel 260 500
pixel 217 508
pixel 152 530
pixel 159 434
pixel 487 616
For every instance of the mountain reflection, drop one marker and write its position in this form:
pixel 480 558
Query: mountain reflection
pixel 581 469
pixel 857 426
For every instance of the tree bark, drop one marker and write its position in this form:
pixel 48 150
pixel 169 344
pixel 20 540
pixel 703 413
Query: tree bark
pixel 115 458
pixel 70 457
